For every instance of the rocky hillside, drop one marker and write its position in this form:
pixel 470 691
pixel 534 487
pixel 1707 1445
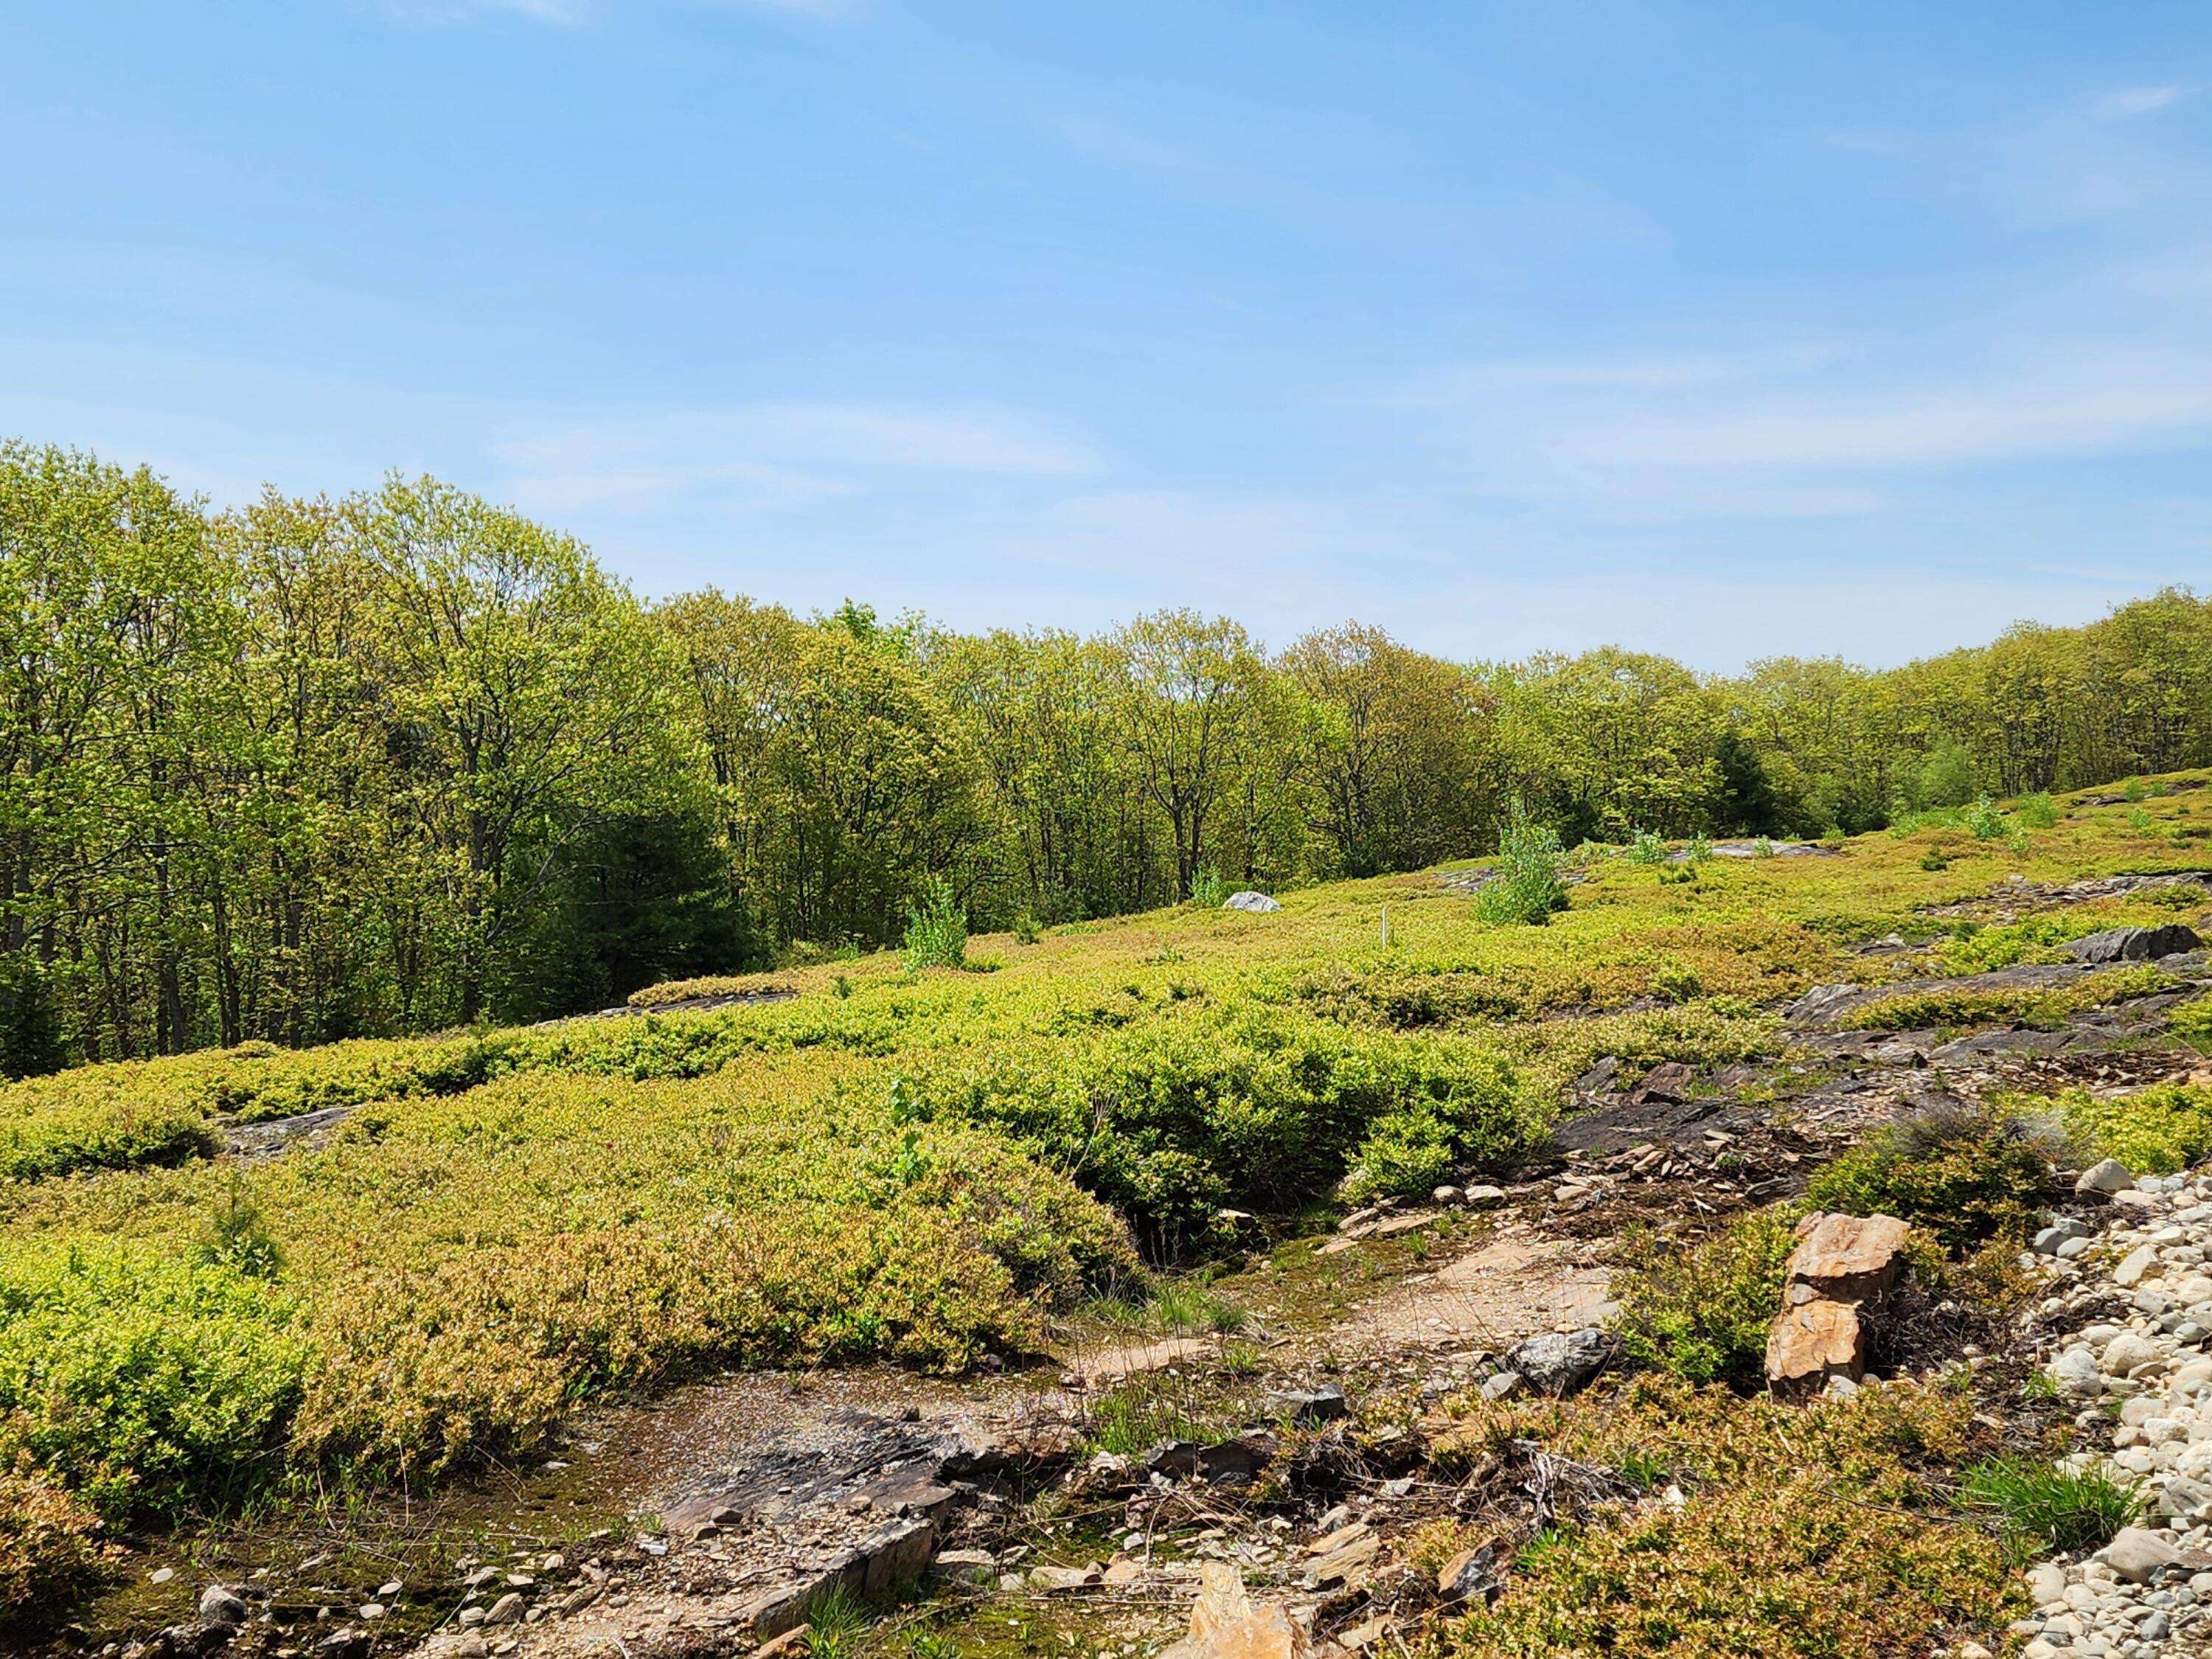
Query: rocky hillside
pixel 1739 1261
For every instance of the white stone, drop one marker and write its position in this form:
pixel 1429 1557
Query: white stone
pixel 2109 1177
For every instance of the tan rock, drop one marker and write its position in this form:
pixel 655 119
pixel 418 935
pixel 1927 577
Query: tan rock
pixel 1225 1623
pixel 1342 1537
pixel 799 1639
pixel 1816 1342
pixel 1222 1601
pixel 1847 1258
pixel 1840 1264
pixel 1365 1635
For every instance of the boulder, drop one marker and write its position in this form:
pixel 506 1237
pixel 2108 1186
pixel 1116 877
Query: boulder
pixel 2075 1372
pixel 222 1605
pixel 2134 1266
pixel 2134 943
pixel 1841 1267
pixel 2110 1176
pixel 1814 1342
pixel 1844 1258
pixel 1257 904
pixel 1560 1362
pixel 2136 1554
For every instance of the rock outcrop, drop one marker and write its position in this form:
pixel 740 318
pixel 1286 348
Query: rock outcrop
pixel 2134 943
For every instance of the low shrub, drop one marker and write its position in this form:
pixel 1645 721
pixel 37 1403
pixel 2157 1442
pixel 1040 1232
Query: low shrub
pixel 144 1383
pixel 1703 1314
pixel 1208 888
pixel 103 1134
pixel 1175 1116
pixel 1810 1531
pixel 2192 1024
pixel 1974 949
pixel 936 928
pixel 2156 1130
pixel 2045 1008
pixel 1530 884
pixel 2038 810
pixel 50 1547
pixel 1965 1175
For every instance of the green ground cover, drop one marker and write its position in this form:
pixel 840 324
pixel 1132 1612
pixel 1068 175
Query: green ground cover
pixel 920 1166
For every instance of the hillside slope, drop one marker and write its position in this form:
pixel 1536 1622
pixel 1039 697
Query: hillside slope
pixel 257 1277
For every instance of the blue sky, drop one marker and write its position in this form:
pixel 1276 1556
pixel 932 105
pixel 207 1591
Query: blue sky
pixel 1721 329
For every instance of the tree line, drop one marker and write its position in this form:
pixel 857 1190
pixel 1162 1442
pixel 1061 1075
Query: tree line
pixel 313 768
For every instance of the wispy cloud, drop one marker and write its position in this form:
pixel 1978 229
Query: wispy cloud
pixel 2129 102
pixel 2092 401
pixel 436 14
pixel 568 13
pixel 771 456
pixel 1804 433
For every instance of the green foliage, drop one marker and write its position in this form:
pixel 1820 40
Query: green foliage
pixel 50 1546
pixel 1530 884
pixel 148 1384
pixel 1026 928
pixel 312 771
pixel 936 928
pixel 1807 1532
pixel 2047 1008
pixel 1948 776
pixel 1698 849
pixel 2038 811
pixel 2043 1509
pixel 1971 949
pixel 1208 888
pixel 1132 1417
pixel 1703 1314
pixel 1984 822
pixel 1647 847
pixel 238 1237
pixel 1174 1117
pixel 2192 1024
pixel 2155 1131
pixel 1964 1176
